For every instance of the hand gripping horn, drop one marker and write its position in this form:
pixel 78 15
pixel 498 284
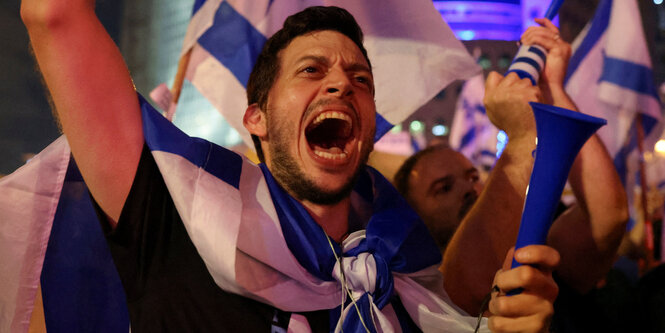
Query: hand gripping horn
pixel 530 59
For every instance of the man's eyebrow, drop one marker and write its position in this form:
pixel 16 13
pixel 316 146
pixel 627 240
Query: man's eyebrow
pixel 358 67
pixel 471 170
pixel 315 58
pixel 354 67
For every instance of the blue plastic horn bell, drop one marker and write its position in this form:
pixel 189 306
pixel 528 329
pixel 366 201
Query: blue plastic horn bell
pixel 561 134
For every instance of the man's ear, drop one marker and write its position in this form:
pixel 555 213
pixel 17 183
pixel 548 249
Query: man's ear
pixel 254 121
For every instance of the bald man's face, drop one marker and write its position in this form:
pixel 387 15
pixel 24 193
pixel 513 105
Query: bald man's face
pixel 443 186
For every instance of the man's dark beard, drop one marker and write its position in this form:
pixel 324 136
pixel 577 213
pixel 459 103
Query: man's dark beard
pixel 290 176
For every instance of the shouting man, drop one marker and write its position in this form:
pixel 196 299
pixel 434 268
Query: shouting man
pixel 311 239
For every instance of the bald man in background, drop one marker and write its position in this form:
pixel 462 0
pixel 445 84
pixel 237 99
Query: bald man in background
pixel 442 185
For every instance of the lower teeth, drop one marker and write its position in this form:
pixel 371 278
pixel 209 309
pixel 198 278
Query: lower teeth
pixel 334 156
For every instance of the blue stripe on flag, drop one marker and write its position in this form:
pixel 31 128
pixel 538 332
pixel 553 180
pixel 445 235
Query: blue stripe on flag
pixel 161 135
pixel 661 185
pixel 197 6
pixel 76 300
pixel 382 127
pixel 233 41
pixel 467 138
pixel 621 157
pixel 480 108
pixel 414 145
pixel 486 152
pixel 598 26
pixel 303 235
pixel 629 75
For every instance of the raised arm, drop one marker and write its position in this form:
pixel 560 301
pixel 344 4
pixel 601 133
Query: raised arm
pixel 588 234
pixel 93 94
pixel 479 245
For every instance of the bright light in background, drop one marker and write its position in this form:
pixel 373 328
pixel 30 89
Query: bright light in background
pixel 658 2
pixel 396 129
pixel 416 126
pixel 660 145
pixel 482 19
pixel 198 118
pixel 440 130
pixel 466 34
pixel 501 141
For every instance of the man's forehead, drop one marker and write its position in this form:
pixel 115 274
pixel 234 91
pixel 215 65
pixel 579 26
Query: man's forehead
pixel 441 162
pixel 317 45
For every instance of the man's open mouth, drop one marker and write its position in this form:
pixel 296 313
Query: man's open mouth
pixel 329 135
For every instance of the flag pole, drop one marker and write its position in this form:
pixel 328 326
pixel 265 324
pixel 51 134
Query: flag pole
pixel 178 81
pixel 648 227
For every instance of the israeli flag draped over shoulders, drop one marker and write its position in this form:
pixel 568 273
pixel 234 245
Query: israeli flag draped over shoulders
pixel 48 227
pixel 610 76
pixel 255 240
pixel 414 53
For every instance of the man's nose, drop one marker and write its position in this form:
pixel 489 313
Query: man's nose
pixel 338 83
pixel 477 187
pixel 471 187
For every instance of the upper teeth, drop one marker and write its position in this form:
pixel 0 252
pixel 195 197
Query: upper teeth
pixel 331 115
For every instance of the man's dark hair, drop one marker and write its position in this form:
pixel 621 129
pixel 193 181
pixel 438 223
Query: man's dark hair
pixel 401 179
pixel 267 68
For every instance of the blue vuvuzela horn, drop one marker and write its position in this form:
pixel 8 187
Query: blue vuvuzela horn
pixel 561 133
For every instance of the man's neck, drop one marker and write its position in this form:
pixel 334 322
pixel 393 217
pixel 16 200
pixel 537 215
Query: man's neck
pixel 334 219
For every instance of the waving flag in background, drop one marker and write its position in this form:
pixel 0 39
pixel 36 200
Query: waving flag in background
pixel 414 53
pixel 47 224
pixel 472 133
pixel 610 76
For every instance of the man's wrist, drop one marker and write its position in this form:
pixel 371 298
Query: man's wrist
pixel 560 98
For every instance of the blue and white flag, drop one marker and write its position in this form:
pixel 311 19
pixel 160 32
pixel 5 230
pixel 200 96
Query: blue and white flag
pixel 242 224
pixel 610 76
pixel 33 211
pixel 472 133
pixel 414 53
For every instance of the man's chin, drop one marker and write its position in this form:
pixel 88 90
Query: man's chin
pixel 316 186
pixel 321 195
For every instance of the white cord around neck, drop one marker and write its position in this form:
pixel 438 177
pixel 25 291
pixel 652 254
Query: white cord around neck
pixel 345 289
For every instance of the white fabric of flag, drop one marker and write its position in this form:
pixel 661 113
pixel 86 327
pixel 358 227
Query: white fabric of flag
pixel 472 133
pixel 610 76
pixel 225 203
pixel 414 53
pixel 28 201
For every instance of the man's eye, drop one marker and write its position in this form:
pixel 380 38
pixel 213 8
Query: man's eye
pixel 444 188
pixel 362 79
pixel 309 69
